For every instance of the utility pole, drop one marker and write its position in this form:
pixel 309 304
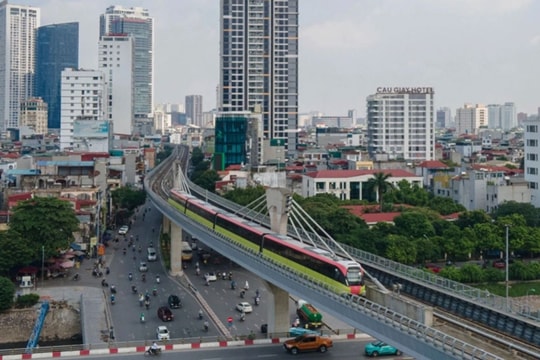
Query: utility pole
pixel 506 267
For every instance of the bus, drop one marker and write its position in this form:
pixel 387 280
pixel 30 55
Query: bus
pixel 187 252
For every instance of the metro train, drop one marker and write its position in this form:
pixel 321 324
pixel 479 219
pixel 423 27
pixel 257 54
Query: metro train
pixel 343 275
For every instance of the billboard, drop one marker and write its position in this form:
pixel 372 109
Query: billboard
pixel 91 128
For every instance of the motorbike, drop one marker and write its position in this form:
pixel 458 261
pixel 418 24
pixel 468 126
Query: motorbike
pixel 243 317
pixel 206 326
pixel 75 277
pixel 130 276
pixel 124 251
pixel 142 318
pixel 154 292
pixel 153 352
pixel 158 279
pixel 113 299
pixel 104 283
pixel 113 289
pixel 147 304
pixel 143 277
pixel 133 289
pixel 200 315
pixel 233 285
pixel 242 293
pixel 257 300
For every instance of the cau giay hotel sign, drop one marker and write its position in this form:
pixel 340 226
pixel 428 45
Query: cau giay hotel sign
pixel 405 90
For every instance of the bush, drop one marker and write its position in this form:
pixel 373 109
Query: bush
pixel 471 273
pixel 26 301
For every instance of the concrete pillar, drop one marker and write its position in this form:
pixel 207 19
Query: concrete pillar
pixel 278 311
pixel 276 202
pixel 166 227
pixel 176 249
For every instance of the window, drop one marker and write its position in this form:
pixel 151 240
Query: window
pixel 532 171
pixel 532 142
pixel 320 185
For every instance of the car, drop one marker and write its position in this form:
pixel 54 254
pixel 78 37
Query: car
pixel 433 268
pixel 244 307
pixel 123 230
pixel 308 342
pixel 143 267
pixel 174 302
pixel 499 264
pixel 151 254
pixel 165 314
pixel 380 348
pixel 211 276
pixel 162 333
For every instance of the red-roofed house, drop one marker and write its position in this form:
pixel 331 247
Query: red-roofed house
pixel 349 184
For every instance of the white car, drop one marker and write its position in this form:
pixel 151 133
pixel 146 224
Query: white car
pixel 162 333
pixel 123 230
pixel 244 307
pixel 143 267
pixel 211 276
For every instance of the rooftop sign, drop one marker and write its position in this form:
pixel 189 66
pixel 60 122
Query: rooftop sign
pixel 405 90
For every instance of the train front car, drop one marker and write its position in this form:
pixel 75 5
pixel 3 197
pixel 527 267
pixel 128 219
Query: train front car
pixel 355 278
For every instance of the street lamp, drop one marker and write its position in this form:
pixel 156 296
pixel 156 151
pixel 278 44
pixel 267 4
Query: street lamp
pixel 527 299
pixel 506 267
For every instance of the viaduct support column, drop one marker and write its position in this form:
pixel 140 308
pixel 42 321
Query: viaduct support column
pixel 278 311
pixel 176 249
pixel 166 226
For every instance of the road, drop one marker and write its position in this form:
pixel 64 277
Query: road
pixel 220 297
pixel 342 350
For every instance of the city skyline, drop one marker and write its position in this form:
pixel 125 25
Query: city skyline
pixel 469 51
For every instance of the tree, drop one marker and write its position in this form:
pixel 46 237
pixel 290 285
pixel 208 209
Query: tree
pixel 444 205
pixel 401 249
pixel 414 224
pixel 527 210
pixel 207 180
pixel 128 198
pixel 7 293
pixel 44 221
pixel 380 184
pixel 14 251
pixel 245 196
pixel 470 218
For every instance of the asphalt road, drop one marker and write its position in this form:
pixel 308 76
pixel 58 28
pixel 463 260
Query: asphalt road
pixel 219 295
pixel 342 350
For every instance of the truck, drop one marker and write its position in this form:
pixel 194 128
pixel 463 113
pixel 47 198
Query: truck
pixel 308 314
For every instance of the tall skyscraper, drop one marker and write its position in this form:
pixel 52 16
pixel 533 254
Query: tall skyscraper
pixel 57 48
pixel 444 118
pixel 17 39
pixel 194 109
pixel 116 60
pixel 259 64
pixel 401 123
pixel 137 23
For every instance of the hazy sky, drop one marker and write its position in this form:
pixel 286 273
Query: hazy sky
pixel 477 51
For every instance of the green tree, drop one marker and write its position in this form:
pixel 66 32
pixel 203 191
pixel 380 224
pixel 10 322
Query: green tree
pixel 471 273
pixel 527 210
pixel 427 249
pixel 380 185
pixel 401 249
pixel 44 221
pixel 245 196
pixel 7 293
pixel 444 205
pixel 451 272
pixel 163 154
pixel 128 198
pixel 207 180
pixel 197 156
pixel 14 251
pixel 414 224
pixel 470 218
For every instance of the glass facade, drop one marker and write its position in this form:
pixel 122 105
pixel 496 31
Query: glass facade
pixel 57 48
pixel 231 139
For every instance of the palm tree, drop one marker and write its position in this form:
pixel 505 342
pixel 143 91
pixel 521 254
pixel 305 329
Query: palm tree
pixel 380 184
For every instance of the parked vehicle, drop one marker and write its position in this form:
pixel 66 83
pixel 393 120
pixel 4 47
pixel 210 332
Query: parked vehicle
pixel 380 348
pixel 308 342
pixel 310 316
pixel 165 314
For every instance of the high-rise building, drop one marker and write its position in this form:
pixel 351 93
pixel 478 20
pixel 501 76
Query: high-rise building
pixel 470 118
pixel 401 123
pixel 259 65
pixel 532 158
pixel 57 48
pixel 494 116
pixel 194 109
pixel 17 39
pixel 444 118
pixel 84 122
pixel 116 61
pixel 33 115
pixel 508 116
pixel 137 23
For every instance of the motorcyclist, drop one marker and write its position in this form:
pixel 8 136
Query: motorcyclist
pixel 124 251
pixel 113 298
pixel 205 325
pixel 143 277
pixel 154 291
pixel 154 348
pixel 134 289
pixel 200 314
pixel 130 276
pixel 142 317
pixel 242 316
pixel 157 279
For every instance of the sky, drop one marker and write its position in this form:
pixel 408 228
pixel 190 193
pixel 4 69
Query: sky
pixel 469 51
